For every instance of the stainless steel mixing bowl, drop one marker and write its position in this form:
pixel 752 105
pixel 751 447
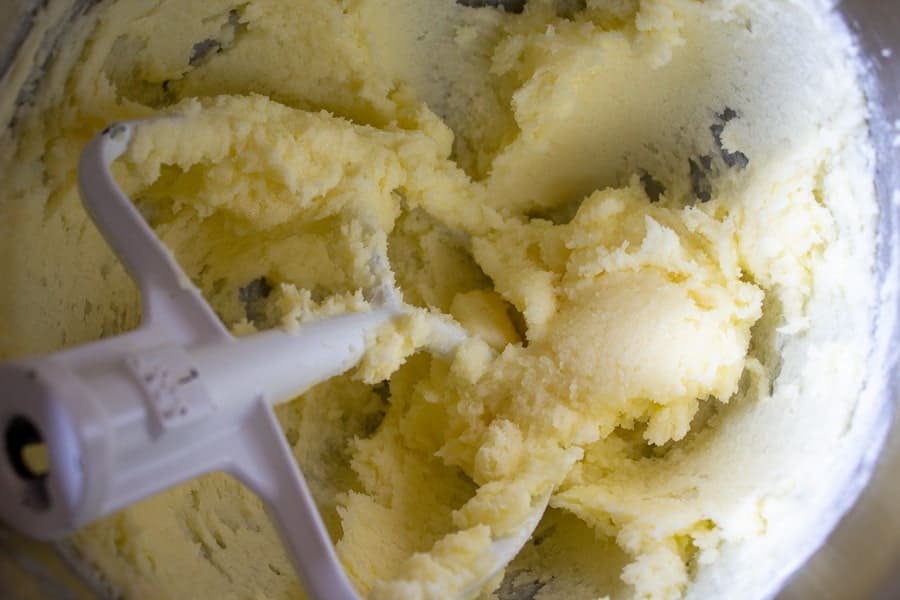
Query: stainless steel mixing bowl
pixel 861 556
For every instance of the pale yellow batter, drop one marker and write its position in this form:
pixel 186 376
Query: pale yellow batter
pixel 647 215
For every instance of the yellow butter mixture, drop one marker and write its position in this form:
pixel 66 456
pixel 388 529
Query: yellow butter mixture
pixel 646 215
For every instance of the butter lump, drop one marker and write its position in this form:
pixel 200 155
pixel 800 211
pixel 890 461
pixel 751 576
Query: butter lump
pixel 644 216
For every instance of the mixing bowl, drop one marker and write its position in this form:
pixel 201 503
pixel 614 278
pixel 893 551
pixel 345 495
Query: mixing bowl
pixel 861 555
pixel 857 550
